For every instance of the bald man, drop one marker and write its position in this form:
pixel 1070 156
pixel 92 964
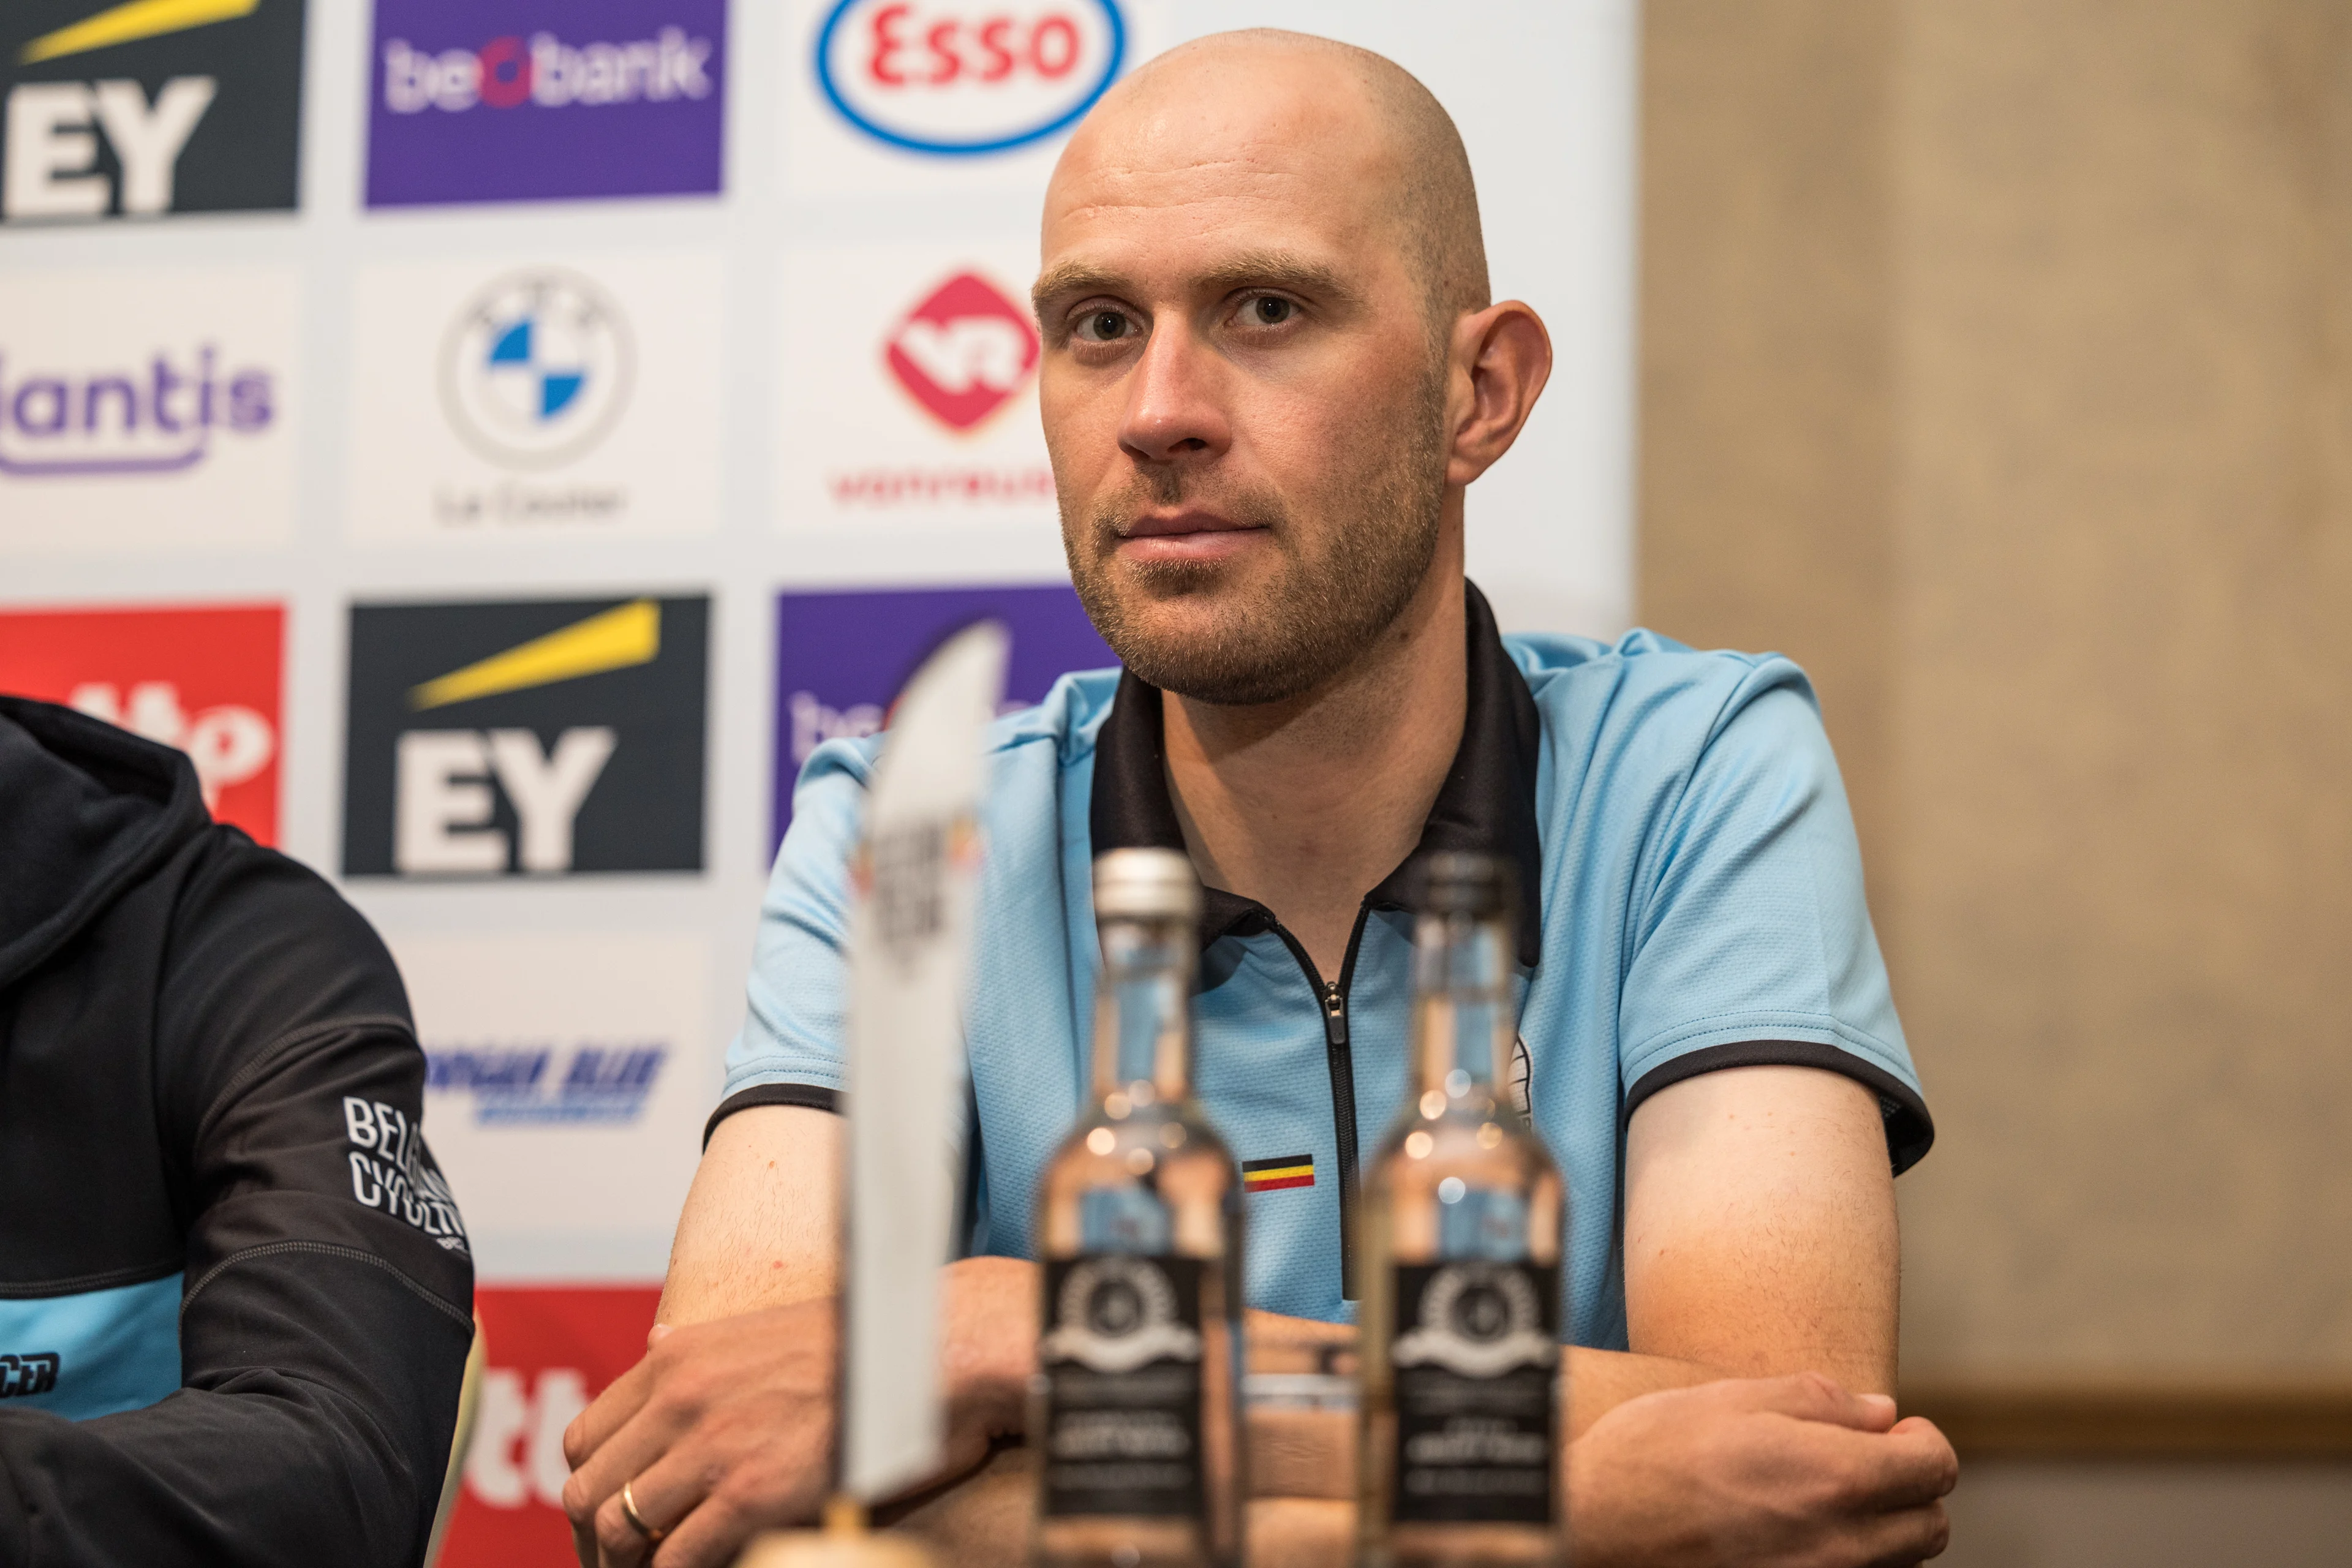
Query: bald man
pixel 1272 369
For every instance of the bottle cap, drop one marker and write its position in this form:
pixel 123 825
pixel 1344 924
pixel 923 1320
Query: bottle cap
pixel 1453 882
pixel 1146 884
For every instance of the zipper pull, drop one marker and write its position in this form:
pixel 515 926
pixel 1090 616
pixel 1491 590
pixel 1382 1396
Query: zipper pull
pixel 1334 1015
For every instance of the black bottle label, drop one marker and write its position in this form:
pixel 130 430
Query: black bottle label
pixel 1121 1359
pixel 1475 1360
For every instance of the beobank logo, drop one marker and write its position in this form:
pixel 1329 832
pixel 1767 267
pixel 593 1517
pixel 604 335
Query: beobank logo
pixel 496 100
pixel 508 73
pixel 205 681
pixel 957 79
pixel 963 350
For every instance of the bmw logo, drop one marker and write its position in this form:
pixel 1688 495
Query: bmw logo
pixel 536 368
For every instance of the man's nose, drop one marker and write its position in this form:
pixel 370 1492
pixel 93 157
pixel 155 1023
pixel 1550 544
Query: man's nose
pixel 1175 409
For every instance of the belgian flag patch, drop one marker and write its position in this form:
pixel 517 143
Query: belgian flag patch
pixel 1271 1175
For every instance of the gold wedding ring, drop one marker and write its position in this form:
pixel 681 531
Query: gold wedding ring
pixel 637 1521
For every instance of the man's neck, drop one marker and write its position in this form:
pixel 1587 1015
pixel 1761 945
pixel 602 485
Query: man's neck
pixel 1305 804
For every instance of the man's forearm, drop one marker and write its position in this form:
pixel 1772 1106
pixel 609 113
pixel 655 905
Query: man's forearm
pixel 989 1346
pixel 991 1349
pixel 1600 1381
pixel 762 1223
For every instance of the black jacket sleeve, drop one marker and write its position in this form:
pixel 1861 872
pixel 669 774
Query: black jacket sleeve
pixel 326 1310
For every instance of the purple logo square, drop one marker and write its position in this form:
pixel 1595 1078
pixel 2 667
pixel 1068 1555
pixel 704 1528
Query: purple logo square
pixel 841 659
pixel 515 101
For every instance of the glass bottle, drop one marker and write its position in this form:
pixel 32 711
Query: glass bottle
pixel 1135 1410
pixel 1460 1431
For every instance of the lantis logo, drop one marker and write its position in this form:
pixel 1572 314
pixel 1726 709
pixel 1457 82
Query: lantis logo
pixel 963 350
pixel 954 78
pixel 536 368
pixel 159 417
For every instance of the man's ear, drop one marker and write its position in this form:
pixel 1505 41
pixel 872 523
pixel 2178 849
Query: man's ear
pixel 1501 357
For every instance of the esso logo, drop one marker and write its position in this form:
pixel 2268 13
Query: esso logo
pixel 934 76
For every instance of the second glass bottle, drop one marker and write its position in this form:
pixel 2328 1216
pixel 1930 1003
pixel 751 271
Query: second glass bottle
pixel 1137 1406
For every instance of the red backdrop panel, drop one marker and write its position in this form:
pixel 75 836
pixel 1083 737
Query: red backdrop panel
pixel 205 680
pixel 551 1350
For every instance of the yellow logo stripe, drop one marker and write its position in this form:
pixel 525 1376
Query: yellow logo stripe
pixel 132 21
pixel 1279 1173
pixel 614 639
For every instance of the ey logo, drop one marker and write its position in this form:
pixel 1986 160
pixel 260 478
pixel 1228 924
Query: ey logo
pixel 540 738
pixel 963 350
pixel 149 107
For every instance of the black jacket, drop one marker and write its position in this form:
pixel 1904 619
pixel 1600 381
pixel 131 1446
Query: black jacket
pixel 217 1218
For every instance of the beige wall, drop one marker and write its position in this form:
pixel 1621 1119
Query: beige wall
pixel 1997 364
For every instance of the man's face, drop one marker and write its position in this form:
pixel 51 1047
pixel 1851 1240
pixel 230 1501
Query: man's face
pixel 1241 391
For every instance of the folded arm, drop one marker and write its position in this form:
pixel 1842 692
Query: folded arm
pixel 1760 1240
pixel 324 1320
pixel 1760 1237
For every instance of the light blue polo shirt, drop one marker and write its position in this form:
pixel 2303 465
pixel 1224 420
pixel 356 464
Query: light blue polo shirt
pixel 1694 901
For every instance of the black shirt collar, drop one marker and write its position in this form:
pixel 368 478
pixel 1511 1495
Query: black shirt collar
pixel 1488 803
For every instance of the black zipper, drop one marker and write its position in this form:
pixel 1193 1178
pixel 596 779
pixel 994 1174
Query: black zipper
pixel 1334 997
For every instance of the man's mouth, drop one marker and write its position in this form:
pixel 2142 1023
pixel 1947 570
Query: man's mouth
pixel 1190 534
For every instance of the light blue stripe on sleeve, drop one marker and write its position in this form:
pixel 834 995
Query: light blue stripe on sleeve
pixel 91 1354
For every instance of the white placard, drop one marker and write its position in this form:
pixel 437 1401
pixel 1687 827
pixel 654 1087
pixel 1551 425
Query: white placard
pixel 910 387
pixel 533 398
pixel 568 1078
pixel 148 409
pixel 910 933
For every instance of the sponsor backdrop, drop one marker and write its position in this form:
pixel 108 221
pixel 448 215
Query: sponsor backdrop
pixel 498 439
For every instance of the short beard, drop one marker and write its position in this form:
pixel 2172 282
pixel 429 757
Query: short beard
pixel 1318 616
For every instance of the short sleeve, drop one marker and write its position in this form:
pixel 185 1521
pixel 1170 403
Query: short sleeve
pixel 790 1048
pixel 1752 941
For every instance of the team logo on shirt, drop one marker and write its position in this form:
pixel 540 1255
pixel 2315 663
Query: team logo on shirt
pixel 391 1170
pixel 26 1375
pixel 1521 1089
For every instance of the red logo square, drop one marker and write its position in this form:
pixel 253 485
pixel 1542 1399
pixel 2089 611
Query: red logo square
pixel 207 681
pixel 552 1349
pixel 963 350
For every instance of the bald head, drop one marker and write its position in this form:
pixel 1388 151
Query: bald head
pixel 1268 364
pixel 1381 130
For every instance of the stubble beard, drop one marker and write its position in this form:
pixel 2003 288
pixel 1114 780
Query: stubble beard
pixel 1316 616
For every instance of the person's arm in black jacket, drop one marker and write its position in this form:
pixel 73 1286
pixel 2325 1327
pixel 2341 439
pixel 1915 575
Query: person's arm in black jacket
pixel 327 1308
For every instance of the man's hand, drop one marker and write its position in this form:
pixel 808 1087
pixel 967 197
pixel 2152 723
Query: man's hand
pixel 1761 1473
pixel 725 1428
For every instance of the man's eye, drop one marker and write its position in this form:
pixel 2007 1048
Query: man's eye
pixel 1102 326
pixel 1268 310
